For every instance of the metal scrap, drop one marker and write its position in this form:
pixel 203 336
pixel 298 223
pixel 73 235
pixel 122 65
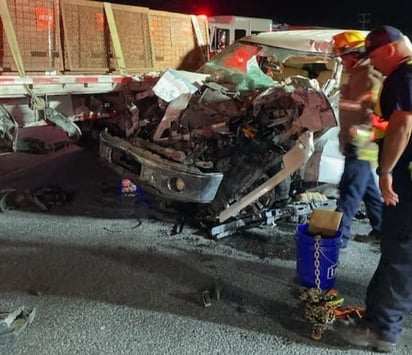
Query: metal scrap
pixel 178 225
pixel 13 323
pixel 37 146
pixel 3 199
pixel 293 210
pixel 47 197
pixel 43 198
pixel 212 293
pixel 206 299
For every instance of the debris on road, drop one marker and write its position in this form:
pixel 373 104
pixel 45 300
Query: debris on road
pixel 47 197
pixel 127 188
pixel 13 323
pixel 211 293
pixel 206 299
pixel 3 199
pixel 178 225
pixel 43 198
pixel 37 146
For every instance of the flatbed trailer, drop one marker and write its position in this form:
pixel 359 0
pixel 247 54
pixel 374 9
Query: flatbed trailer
pixel 65 62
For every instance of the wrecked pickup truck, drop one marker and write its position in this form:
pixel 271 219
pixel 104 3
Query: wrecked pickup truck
pixel 229 140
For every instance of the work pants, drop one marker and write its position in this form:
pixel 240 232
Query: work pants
pixel 389 294
pixel 358 184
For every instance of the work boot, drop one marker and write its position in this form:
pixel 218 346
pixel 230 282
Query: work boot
pixel 362 335
pixel 371 238
pixel 344 243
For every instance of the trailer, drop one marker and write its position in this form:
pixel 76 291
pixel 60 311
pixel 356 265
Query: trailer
pixel 71 63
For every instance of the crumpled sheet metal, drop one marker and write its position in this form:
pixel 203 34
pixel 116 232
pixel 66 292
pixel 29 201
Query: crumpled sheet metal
pixel 317 112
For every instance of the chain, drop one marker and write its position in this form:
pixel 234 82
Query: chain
pixel 317 263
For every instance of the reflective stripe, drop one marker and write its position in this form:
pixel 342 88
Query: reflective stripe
pixel 369 152
pixel 377 122
pixel 350 105
pixel 73 79
pixel 361 134
pixel 377 108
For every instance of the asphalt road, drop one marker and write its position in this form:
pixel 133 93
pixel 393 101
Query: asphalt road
pixel 107 276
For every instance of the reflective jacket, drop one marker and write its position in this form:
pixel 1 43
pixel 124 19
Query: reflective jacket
pixel 357 101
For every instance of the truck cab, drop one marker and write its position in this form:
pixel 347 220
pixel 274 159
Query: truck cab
pixel 224 30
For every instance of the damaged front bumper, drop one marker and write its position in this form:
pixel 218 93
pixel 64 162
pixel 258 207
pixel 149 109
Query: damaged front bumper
pixel 165 178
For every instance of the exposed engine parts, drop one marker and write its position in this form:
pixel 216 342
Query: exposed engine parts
pixel 222 151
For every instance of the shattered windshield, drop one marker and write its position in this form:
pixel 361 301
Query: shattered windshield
pixel 248 66
pixel 236 56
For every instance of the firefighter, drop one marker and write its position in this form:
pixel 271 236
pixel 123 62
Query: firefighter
pixel 358 97
pixel 389 293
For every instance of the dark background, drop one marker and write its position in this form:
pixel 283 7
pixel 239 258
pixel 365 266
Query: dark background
pixel 340 14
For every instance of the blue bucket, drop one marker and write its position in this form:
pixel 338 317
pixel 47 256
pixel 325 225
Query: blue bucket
pixel 305 258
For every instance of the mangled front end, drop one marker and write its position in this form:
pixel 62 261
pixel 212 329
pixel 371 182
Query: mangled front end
pixel 222 150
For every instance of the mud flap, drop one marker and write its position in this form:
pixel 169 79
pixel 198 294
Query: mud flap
pixel 72 130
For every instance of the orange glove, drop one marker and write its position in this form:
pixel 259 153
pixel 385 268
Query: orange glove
pixel 379 125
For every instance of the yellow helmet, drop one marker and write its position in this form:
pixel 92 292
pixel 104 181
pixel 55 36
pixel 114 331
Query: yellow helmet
pixel 348 42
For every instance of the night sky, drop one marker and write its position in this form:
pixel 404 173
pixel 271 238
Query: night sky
pixel 342 14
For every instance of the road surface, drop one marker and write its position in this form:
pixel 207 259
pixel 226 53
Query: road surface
pixel 107 276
